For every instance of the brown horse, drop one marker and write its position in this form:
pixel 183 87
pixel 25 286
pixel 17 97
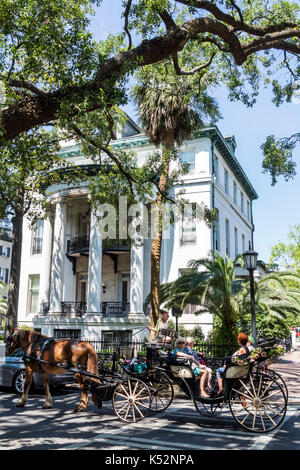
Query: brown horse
pixel 67 352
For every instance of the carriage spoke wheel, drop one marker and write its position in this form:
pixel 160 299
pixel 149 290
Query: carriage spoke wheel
pixel 279 379
pixel 131 400
pixel 258 403
pixel 162 391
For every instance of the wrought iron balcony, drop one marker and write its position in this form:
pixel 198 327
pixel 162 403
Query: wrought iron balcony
pixel 73 308
pixel 115 309
pixel 81 245
pixel 46 307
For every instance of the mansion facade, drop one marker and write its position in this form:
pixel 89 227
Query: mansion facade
pixel 76 284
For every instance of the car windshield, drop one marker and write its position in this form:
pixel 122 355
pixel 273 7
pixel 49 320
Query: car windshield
pixel 17 353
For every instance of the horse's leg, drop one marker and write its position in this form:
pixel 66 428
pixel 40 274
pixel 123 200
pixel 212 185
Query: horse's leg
pixel 24 396
pixel 84 394
pixel 48 402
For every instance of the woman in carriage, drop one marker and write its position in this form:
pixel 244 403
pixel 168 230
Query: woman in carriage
pixel 244 351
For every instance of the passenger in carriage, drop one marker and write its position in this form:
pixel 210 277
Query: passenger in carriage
pixel 243 352
pixel 162 323
pixel 199 369
pixel 189 349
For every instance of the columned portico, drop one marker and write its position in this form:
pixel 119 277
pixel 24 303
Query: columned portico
pixel 46 262
pixel 58 256
pixel 94 294
pixel 137 263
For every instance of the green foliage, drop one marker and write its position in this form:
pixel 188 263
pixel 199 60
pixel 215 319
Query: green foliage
pixel 278 158
pixel 217 290
pixel 29 164
pixel 288 254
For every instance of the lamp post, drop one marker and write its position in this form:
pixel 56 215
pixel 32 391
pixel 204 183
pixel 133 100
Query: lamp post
pixel 250 259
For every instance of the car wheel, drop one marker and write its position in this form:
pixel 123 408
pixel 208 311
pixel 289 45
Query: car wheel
pixel 18 382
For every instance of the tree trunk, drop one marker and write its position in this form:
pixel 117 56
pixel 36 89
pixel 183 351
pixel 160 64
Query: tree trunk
pixel 156 248
pixel 14 279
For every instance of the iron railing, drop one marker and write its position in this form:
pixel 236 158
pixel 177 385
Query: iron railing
pixel 78 244
pixel 81 244
pixel 73 308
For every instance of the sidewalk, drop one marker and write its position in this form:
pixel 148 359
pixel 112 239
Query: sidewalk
pixel 288 367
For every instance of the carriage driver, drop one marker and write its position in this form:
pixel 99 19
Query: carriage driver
pixel 162 323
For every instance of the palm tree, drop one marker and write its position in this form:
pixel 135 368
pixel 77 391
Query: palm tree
pixel 167 117
pixel 277 295
pixel 217 290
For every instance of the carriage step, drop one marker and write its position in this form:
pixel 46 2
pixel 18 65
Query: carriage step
pixel 210 400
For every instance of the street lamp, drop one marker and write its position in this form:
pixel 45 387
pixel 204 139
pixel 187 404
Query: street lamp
pixel 250 260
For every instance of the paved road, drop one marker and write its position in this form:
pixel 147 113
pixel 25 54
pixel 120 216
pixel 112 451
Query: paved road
pixel 179 428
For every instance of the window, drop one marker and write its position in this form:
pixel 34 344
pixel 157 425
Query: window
pixel 37 238
pixel 243 243
pixel 188 157
pixel 33 293
pixel 242 202
pixel 4 275
pixel 236 242
pixel 117 336
pixel 216 169
pixel 227 230
pixel 5 251
pixel 226 181
pixel 248 210
pixel 64 333
pixel 217 232
pixel 234 192
pixel 189 224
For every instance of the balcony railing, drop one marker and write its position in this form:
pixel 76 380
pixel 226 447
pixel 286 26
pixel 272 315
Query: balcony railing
pixel 81 244
pixel 73 308
pixel 115 309
pixel 46 307
pixel 78 244
pixel 78 309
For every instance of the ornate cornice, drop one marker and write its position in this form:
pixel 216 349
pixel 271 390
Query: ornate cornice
pixel 212 132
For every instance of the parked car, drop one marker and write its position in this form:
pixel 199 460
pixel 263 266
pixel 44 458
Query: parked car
pixel 12 374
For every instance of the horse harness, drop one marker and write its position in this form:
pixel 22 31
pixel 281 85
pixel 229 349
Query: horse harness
pixel 42 345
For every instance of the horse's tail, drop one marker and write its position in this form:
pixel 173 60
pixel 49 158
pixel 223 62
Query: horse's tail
pixel 92 367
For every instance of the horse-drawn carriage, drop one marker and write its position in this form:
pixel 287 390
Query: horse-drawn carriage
pixel 256 396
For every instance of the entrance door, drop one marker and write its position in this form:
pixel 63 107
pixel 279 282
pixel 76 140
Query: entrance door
pixel 124 285
pixel 82 283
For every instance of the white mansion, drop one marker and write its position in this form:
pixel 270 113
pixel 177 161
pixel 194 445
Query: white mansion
pixel 73 283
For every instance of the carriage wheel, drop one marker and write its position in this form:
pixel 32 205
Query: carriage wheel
pixel 131 400
pixel 162 391
pixel 279 379
pixel 258 403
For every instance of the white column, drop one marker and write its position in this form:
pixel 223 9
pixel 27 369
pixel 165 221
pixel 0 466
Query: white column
pixel 58 256
pixel 95 267
pixel 136 279
pixel 46 262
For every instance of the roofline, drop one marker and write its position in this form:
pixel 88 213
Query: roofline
pixel 140 140
pixel 224 148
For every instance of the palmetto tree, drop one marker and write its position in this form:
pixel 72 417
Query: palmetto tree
pixel 276 295
pixel 217 290
pixel 213 289
pixel 168 118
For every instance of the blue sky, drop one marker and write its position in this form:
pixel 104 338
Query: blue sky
pixel 277 207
